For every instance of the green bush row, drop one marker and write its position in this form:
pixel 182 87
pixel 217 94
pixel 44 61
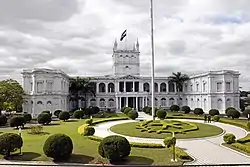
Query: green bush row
pixel 109 119
pixel 244 139
pixel 241 147
pixel 232 122
pixel 181 154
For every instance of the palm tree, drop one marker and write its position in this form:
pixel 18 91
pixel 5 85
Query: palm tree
pixel 179 79
pixel 83 85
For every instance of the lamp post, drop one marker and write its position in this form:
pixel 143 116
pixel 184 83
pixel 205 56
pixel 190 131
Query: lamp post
pixel 174 142
pixel 20 134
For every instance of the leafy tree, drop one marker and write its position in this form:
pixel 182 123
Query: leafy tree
pixel 83 85
pixel 11 95
pixel 179 79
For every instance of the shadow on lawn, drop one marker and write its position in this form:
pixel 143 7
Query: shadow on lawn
pixel 78 158
pixel 26 156
pixel 136 160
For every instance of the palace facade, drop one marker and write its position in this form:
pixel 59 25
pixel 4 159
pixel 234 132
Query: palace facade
pixel 48 89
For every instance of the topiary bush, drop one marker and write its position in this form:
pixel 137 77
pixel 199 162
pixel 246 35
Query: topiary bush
pixel 57 112
pixel 27 117
pixel 44 118
pixel 144 109
pixel 10 142
pixel 64 116
pixel 233 113
pixel 175 108
pixel 126 111
pixel 89 121
pixel 214 112
pixel 198 111
pixel 35 130
pixel 149 110
pixel 229 108
pixel 246 112
pixel 161 114
pixel 3 120
pixel 58 146
pixel 114 148
pixel 216 118
pixel 48 112
pixel 186 109
pixel 169 141
pixel 133 114
pixel 95 110
pixel 87 111
pixel 78 114
pixel 122 109
pixel 88 131
pixel 229 138
pixel 17 121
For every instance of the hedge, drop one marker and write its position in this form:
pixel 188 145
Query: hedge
pixel 241 147
pixel 181 154
pixel 244 139
pixel 232 122
pixel 110 119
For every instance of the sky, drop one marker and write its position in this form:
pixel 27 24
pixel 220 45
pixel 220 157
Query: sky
pixel 77 36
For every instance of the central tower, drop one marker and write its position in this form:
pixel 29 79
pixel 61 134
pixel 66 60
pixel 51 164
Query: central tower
pixel 126 59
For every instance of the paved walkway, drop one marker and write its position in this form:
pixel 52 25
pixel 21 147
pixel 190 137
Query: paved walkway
pixel 204 150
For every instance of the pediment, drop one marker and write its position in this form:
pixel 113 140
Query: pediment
pixel 129 77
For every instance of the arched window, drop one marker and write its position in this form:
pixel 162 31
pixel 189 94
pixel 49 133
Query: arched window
pixel 102 88
pixel 111 103
pixel 93 102
pixel 39 102
pixel 171 87
pixel 146 87
pixel 180 102
pixel 83 103
pixel 102 103
pixel 111 87
pixel 49 102
pixel 171 101
pixel 163 102
pixel 163 87
pixel 156 87
pixel 219 104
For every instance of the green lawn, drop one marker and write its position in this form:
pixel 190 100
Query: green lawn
pixel 85 150
pixel 129 129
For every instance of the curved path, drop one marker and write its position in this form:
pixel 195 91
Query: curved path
pixel 204 150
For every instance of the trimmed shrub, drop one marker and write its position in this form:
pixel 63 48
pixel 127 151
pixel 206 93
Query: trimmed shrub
pixel 229 138
pixel 233 113
pixel 87 111
pixel 3 120
pixel 144 109
pixel 58 146
pixel 246 112
pixel 48 112
pixel 132 114
pixel 126 111
pixel 57 112
pixel 64 116
pixel 78 114
pixel 27 117
pixel 95 110
pixel 216 118
pixel 248 125
pixel 149 110
pixel 198 111
pixel 186 109
pixel 34 130
pixel 214 112
pixel 242 147
pixel 89 131
pixel 89 121
pixel 114 148
pixel 44 118
pixel 17 121
pixel 10 142
pixel 169 141
pixel 123 109
pixel 229 108
pixel 161 114
pixel 175 108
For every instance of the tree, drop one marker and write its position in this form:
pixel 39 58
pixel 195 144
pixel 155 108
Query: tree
pixel 179 79
pixel 83 85
pixel 11 95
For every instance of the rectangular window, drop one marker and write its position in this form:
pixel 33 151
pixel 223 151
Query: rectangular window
pixel 228 86
pixel 219 87
pixel 191 88
pixel 197 87
pixel 39 87
pixel 49 86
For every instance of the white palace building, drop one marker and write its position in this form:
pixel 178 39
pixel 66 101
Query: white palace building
pixel 48 89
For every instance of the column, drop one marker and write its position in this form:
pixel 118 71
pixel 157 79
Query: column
pixel 97 88
pixel 167 89
pixel 136 103
pixel 126 102
pixel 106 87
pixel 34 84
pixel 117 103
pixel 143 102
pixel 124 86
pixel 146 99
pixel 120 103
pixel 133 86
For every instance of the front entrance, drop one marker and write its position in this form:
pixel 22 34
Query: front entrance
pixel 131 102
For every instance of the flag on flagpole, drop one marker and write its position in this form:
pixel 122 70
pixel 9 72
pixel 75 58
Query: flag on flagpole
pixel 124 34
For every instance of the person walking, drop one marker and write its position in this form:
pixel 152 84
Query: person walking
pixel 209 118
pixel 205 118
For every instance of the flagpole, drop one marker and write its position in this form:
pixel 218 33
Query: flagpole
pixel 152 61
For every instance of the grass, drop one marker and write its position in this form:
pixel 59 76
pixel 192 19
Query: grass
pixel 129 129
pixel 85 150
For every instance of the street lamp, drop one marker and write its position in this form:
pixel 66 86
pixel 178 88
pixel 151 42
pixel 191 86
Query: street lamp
pixel 20 134
pixel 174 142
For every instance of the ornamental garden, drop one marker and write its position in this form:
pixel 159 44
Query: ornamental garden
pixel 70 136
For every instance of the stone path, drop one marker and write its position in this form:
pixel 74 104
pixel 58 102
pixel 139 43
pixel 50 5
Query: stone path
pixel 203 150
